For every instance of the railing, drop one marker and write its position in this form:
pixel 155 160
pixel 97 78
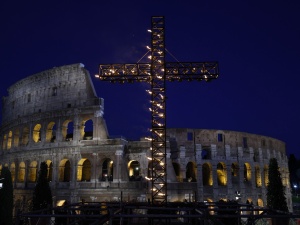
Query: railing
pixel 197 213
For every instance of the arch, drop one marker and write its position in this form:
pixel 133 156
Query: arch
pixel 107 169
pixel 257 176
pixel 16 138
pixel 51 132
pixel 207 174
pixel 67 130
pixel 134 170
pixel 235 169
pixel 21 174
pixel 249 201
pixel 266 175
pixel 221 174
pixel 64 171
pixel 176 167
pixel 191 172
pixel 247 172
pixel 260 202
pixel 13 171
pixel 284 176
pixel 25 135
pixel 9 140
pixel 32 173
pixel 84 170
pixel 4 142
pixel 36 134
pixel 86 130
pixel 49 170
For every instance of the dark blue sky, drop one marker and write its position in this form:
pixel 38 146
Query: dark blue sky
pixel 257 45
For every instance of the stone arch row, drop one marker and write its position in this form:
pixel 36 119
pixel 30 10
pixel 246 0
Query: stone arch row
pixel 221 173
pixel 46 132
pixel 29 172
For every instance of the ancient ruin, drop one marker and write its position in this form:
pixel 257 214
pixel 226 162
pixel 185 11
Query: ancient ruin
pixel 45 118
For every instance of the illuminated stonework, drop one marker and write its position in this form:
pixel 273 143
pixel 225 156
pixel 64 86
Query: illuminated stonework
pixel 55 116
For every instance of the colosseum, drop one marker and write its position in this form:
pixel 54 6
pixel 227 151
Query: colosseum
pixel 56 117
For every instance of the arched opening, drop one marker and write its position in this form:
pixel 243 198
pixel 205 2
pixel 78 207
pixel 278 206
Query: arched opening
pixel 67 130
pixel 32 173
pixel 247 172
pixel 36 134
pixel 9 140
pixel 285 177
pixel 13 171
pixel 134 171
pixel 107 170
pixel 257 176
pixel 87 130
pixel 235 173
pixel 249 201
pixel 4 142
pixel 84 170
pixel 16 138
pixel 221 174
pixel 191 172
pixel 234 169
pixel 260 203
pixel 25 136
pixel 207 174
pixel 266 175
pixel 49 170
pixel 51 132
pixel 21 174
pixel 176 167
pixel 64 170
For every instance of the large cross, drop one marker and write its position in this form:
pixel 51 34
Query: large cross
pixel 157 72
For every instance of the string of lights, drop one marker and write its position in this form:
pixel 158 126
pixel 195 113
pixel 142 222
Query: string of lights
pixel 156 73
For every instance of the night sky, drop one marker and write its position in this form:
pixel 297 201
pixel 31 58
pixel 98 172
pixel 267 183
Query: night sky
pixel 257 45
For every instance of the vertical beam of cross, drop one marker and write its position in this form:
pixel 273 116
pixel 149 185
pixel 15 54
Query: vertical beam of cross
pixel 157 73
pixel 158 110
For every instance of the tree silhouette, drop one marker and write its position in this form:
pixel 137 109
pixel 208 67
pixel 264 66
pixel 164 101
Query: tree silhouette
pixel 275 190
pixel 6 197
pixel 42 196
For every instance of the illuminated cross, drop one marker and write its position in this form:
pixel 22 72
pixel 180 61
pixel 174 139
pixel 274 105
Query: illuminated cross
pixel 157 72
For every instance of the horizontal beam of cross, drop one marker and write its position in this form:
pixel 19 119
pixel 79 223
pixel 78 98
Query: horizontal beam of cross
pixel 174 71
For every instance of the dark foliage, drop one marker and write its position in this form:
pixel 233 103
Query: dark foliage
pixel 42 196
pixel 6 198
pixel 275 190
pixel 294 169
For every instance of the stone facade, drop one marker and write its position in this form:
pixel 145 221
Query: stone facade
pixel 55 116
